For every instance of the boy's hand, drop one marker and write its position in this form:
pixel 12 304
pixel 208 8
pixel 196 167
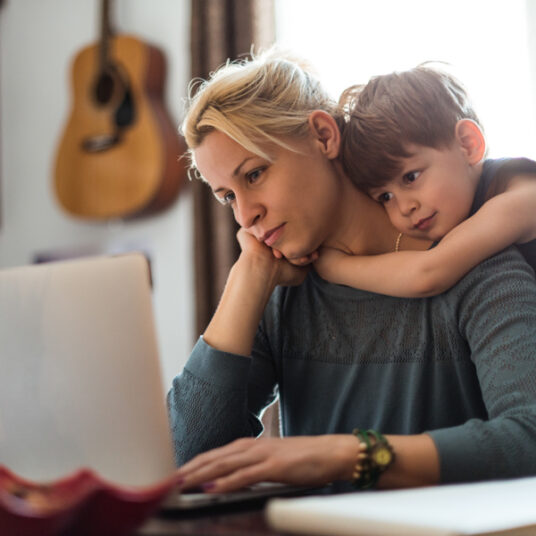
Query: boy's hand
pixel 328 264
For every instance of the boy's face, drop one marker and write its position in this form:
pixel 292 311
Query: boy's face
pixel 432 194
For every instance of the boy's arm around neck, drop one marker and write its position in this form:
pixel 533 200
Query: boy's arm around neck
pixel 504 220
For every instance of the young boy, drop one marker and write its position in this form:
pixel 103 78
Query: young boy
pixel 414 144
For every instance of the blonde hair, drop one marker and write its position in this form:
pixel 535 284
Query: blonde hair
pixel 257 102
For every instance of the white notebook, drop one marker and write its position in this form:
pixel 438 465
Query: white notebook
pixel 496 507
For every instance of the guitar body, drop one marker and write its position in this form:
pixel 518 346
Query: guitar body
pixel 119 153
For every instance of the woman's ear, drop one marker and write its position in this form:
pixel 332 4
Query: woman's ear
pixel 471 140
pixel 325 132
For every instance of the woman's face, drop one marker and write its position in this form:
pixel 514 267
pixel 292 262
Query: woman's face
pixel 290 203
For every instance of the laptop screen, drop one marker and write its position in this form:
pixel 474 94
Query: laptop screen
pixel 80 382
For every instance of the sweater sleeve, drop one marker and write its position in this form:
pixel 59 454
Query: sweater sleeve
pixel 497 315
pixel 217 398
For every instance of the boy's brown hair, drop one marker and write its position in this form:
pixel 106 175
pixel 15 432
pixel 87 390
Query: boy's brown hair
pixel 383 117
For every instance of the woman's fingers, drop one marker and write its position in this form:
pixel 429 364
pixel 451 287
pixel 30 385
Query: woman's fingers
pixel 300 460
pixel 241 478
pixel 289 272
pixel 248 242
pixel 222 468
pixel 202 459
pixel 307 259
pixel 218 462
pixel 233 459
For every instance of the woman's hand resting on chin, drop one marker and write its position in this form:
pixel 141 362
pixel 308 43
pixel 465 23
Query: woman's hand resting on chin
pixel 250 284
pixel 304 460
pixel 287 272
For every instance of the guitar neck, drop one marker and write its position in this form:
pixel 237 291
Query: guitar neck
pixel 105 34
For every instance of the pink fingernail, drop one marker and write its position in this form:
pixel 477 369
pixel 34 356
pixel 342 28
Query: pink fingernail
pixel 207 486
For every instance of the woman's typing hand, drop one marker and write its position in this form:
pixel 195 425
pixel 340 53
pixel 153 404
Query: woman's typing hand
pixel 304 461
pixel 307 461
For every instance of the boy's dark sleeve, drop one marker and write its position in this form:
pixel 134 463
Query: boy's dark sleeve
pixel 496 308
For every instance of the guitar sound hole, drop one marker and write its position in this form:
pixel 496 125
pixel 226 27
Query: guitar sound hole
pixel 104 88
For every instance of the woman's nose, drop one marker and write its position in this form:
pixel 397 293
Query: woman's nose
pixel 247 212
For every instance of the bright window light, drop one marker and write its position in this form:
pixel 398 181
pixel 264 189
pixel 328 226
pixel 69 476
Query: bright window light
pixel 485 42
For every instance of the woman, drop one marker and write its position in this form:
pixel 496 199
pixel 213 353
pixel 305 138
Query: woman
pixel 441 389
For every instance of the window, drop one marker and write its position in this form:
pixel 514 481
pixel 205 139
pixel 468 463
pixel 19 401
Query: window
pixel 486 42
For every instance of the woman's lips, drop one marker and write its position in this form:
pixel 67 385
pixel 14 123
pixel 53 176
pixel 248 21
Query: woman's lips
pixel 425 223
pixel 272 236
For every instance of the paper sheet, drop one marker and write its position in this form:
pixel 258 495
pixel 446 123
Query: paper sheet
pixel 462 509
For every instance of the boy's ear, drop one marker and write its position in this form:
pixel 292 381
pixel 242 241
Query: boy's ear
pixel 325 132
pixel 471 140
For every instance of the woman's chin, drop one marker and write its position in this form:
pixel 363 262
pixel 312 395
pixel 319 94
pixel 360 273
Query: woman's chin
pixel 295 256
pixel 298 251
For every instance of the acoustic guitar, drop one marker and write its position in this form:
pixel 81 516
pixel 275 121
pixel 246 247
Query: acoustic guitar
pixel 119 156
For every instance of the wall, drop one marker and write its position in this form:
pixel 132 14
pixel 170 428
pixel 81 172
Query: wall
pixel 38 39
pixel 490 46
pixel 531 25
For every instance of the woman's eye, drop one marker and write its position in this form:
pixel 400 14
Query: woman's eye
pixel 386 196
pixel 228 198
pixel 252 176
pixel 411 176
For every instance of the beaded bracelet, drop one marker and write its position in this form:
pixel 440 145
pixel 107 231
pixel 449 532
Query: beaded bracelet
pixel 373 458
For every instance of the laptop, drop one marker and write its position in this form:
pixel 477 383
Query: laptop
pixel 80 382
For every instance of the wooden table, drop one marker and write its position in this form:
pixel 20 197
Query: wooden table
pixel 236 521
pixel 245 519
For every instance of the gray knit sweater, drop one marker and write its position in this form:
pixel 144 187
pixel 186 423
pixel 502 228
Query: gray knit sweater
pixel 461 366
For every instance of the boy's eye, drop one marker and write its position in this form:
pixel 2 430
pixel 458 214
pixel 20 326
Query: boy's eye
pixel 384 197
pixel 411 176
